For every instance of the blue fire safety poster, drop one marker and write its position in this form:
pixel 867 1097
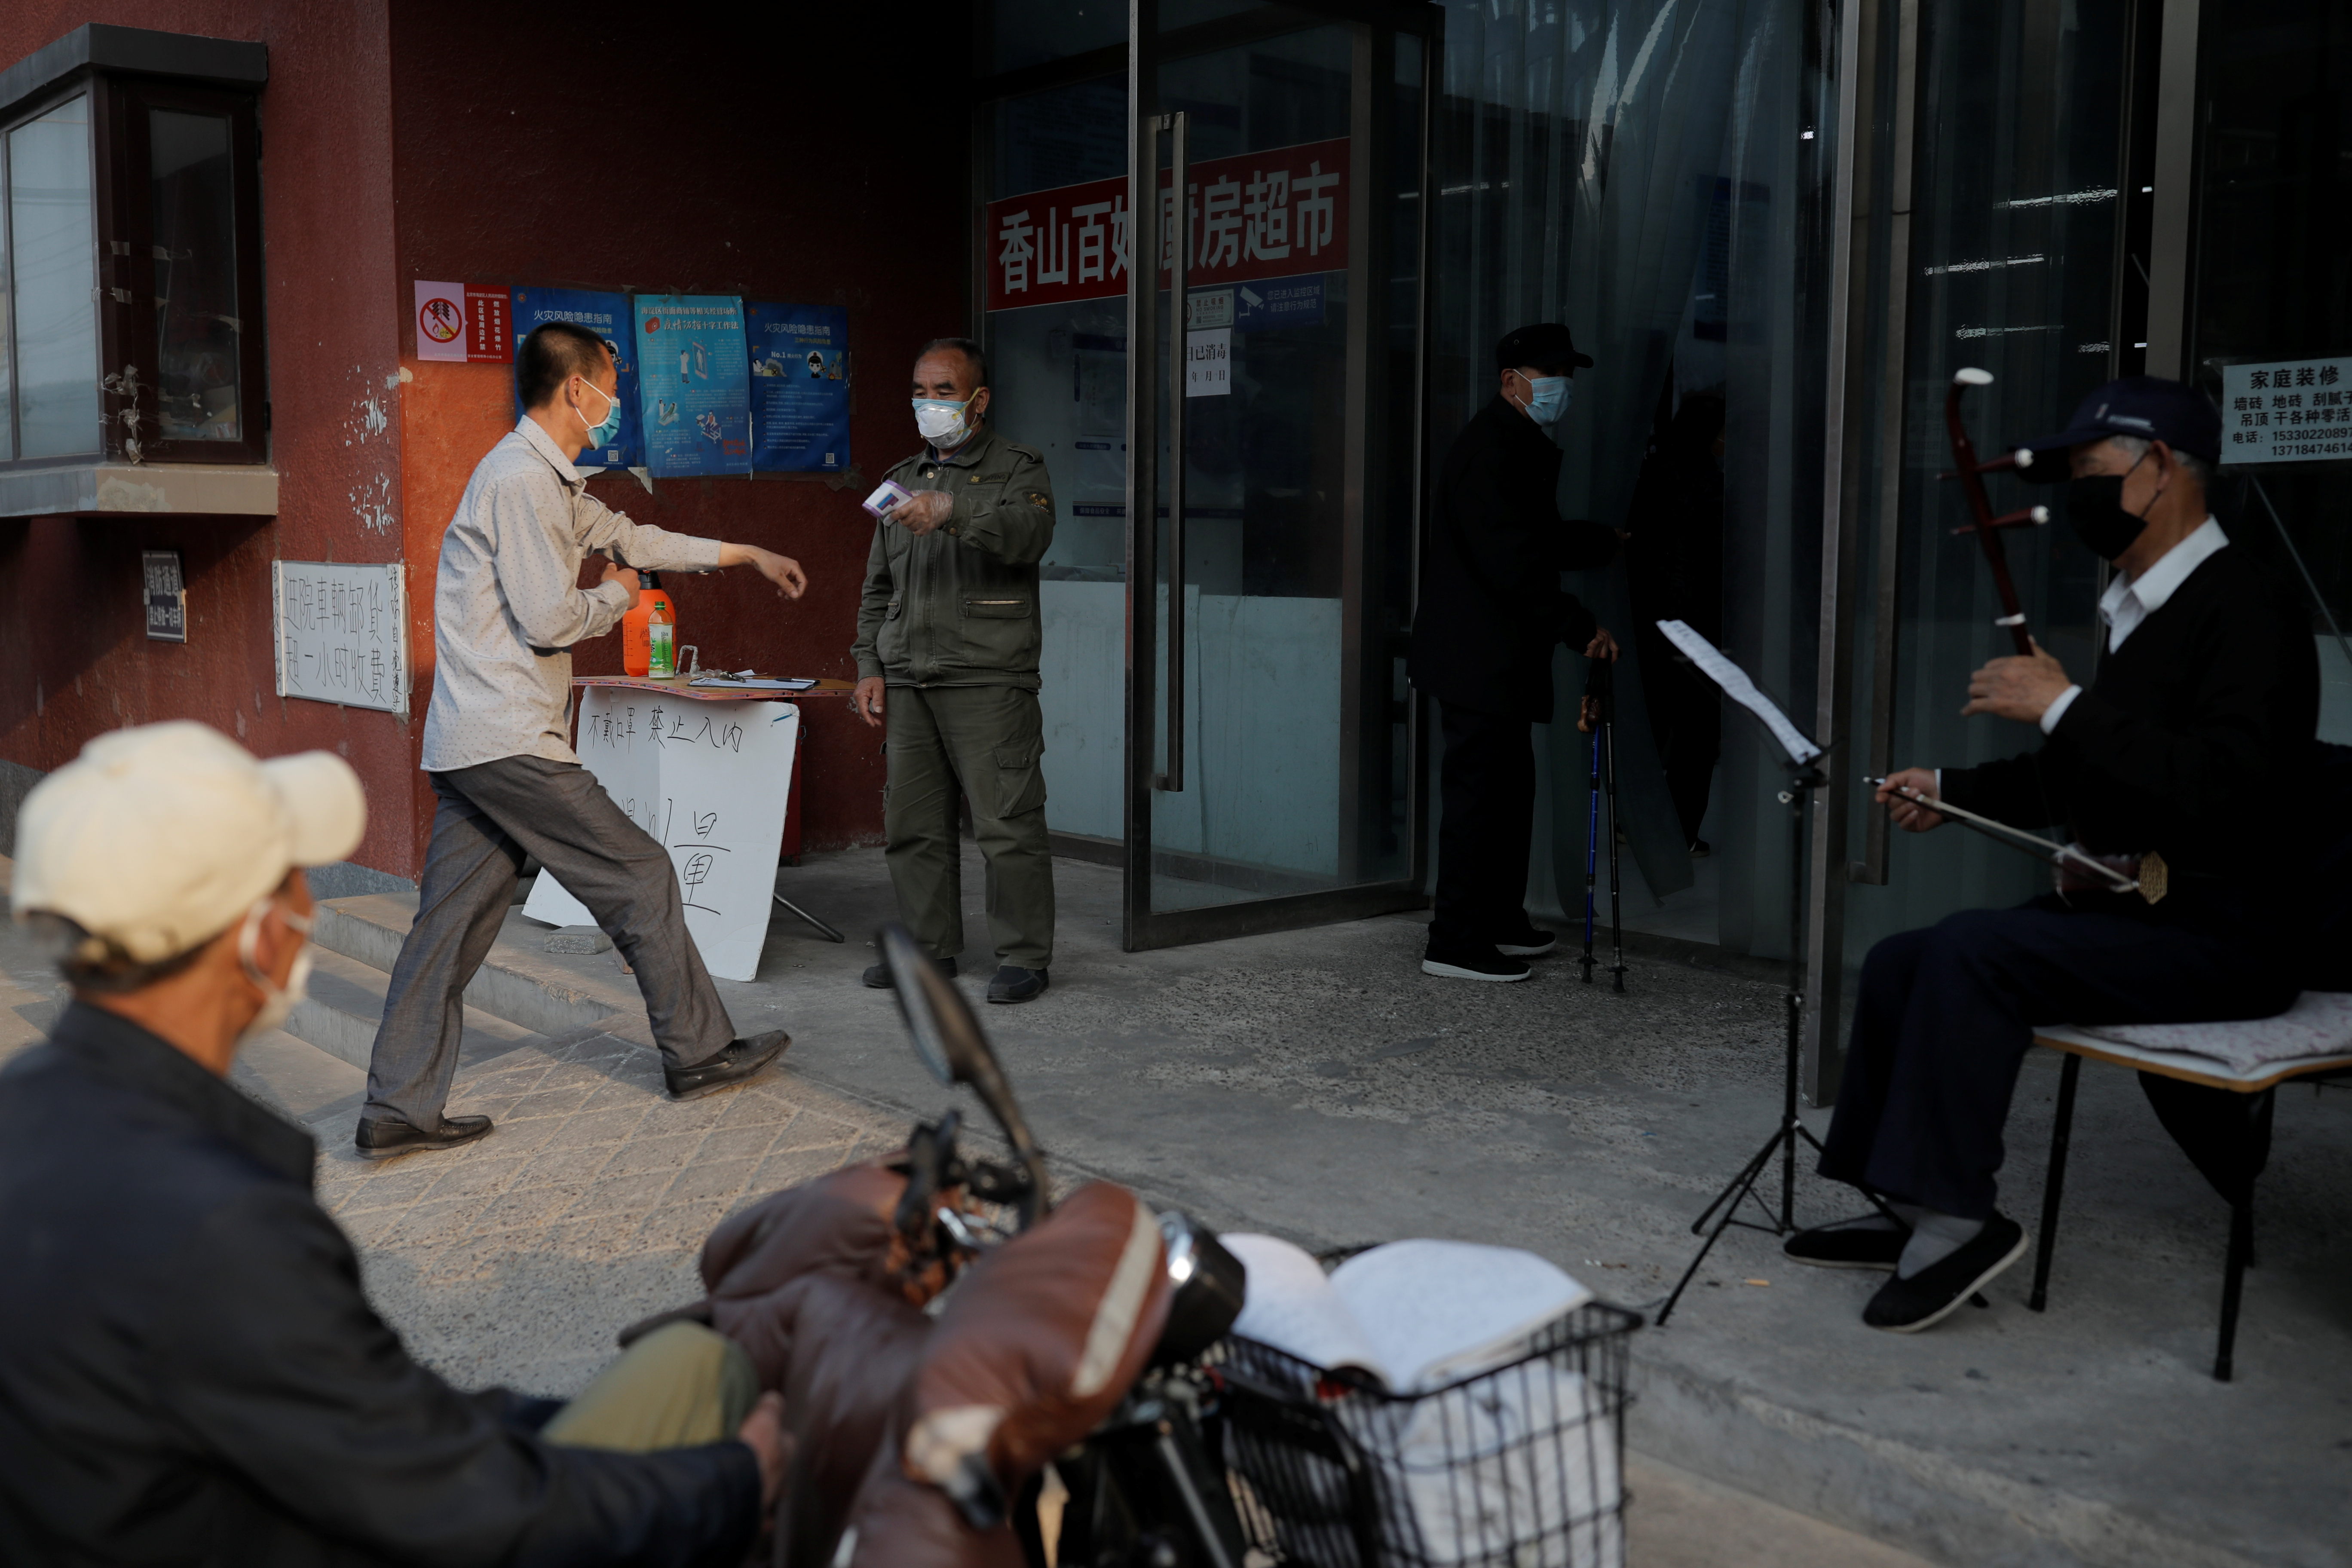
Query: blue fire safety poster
pixel 608 316
pixel 800 387
pixel 694 385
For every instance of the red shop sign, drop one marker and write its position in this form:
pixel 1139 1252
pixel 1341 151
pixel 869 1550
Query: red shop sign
pixel 1260 215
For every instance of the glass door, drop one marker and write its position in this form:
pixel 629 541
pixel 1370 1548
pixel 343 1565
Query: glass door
pixel 1273 433
pixel 1989 232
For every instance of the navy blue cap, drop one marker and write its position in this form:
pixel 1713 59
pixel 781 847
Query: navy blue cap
pixel 2148 406
pixel 1545 345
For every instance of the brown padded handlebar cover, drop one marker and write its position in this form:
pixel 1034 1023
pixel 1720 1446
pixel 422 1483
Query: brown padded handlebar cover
pixel 804 1281
pixel 1037 1344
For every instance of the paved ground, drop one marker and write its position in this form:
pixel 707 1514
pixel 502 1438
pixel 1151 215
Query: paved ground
pixel 1317 1085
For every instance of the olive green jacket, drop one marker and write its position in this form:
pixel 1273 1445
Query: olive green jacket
pixel 959 606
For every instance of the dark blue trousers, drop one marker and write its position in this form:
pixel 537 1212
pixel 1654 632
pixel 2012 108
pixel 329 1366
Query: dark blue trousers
pixel 1946 1013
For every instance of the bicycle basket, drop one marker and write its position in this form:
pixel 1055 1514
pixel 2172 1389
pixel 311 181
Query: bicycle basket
pixel 1520 1466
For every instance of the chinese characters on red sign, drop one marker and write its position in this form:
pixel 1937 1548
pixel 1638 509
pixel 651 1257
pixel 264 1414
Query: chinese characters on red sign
pixel 1260 215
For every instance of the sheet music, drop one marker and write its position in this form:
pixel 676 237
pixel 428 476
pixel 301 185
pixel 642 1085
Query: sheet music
pixel 1740 689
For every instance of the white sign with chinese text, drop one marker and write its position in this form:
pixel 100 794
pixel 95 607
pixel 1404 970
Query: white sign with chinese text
pixel 342 632
pixel 1209 363
pixel 1206 308
pixel 2287 411
pixel 709 781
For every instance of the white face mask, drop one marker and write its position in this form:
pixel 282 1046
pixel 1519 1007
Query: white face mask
pixel 943 424
pixel 278 1002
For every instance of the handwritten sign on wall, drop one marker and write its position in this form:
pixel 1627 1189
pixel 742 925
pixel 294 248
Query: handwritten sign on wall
pixel 343 633
pixel 709 781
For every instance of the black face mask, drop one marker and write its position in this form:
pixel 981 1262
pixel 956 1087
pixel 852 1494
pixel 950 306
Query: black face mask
pixel 2094 505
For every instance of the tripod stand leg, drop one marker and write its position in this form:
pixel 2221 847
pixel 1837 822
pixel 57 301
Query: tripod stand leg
pixel 1743 1185
pixel 823 930
pixel 1739 1186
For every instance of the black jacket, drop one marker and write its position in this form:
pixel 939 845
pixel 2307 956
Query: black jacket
pixel 2192 739
pixel 1675 561
pixel 1491 604
pixel 189 1372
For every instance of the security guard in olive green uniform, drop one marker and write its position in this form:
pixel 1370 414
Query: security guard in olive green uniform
pixel 948 626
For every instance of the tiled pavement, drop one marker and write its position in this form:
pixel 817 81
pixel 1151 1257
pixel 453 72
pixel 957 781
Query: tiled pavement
pixel 583 1212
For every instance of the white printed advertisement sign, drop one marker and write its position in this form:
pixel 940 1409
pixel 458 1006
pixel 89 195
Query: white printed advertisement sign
pixel 2287 411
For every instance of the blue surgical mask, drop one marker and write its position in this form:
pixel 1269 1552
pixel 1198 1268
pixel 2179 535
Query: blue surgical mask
pixel 604 435
pixel 1550 399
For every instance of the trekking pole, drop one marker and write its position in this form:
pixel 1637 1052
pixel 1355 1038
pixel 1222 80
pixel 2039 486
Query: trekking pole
pixel 1606 732
pixel 1591 826
pixel 1591 851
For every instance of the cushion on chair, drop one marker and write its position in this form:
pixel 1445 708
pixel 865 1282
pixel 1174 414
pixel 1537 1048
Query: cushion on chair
pixel 2318 1025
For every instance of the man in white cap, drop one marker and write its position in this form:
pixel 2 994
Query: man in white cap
pixel 189 1371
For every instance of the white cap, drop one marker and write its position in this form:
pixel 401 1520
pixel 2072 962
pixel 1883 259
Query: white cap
pixel 158 838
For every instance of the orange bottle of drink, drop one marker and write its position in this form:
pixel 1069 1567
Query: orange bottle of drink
pixel 649 632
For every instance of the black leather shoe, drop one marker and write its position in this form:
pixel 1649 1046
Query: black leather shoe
pixel 1906 1306
pixel 1847 1244
pixel 739 1061
pixel 1530 941
pixel 877 975
pixel 1015 983
pixel 384 1137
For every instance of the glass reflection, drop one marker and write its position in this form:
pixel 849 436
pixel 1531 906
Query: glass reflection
pixel 196 323
pixel 52 227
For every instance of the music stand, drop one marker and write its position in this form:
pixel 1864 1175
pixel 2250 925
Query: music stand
pixel 1803 778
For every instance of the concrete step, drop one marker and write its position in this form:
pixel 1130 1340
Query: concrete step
pixel 515 983
pixel 345 1007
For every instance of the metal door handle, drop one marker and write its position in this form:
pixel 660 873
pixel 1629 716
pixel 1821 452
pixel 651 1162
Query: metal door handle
pixel 1179 231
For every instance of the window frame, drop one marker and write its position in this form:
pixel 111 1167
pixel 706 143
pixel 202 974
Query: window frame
pixel 123 264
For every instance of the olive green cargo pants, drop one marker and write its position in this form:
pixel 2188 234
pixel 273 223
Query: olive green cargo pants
pixel 680 1385
pixel 982 742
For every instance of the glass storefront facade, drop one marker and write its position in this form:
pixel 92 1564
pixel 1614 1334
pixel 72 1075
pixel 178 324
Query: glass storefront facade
pixel 1792 220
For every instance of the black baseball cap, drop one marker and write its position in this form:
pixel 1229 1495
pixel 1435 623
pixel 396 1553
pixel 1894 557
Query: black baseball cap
pixel 2148 406
pixel 1542 345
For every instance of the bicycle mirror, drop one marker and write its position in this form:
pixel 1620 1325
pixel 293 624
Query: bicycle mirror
pixel 947 1037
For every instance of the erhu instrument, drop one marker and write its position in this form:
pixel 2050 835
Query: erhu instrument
pixel 1971 471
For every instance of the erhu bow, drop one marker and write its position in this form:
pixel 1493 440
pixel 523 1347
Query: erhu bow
pixel 1987 527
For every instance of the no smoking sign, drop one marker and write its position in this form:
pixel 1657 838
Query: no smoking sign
pixel 455 321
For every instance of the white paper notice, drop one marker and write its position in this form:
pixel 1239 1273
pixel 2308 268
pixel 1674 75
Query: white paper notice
pixel 2287 411
pixel 1740 689
pixel 342 632
pixel 1209 362
pixel 709 781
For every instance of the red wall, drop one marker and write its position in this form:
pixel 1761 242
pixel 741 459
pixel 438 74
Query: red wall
pixel 738 160
pixel 582 147
pixel 72 636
